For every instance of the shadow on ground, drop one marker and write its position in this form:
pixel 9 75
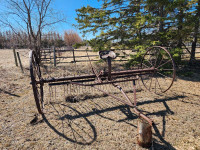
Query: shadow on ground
pixel 189 73
pixel 6 92
pixel 87 135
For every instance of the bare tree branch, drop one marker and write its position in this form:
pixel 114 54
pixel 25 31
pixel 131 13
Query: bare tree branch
pixel 32 16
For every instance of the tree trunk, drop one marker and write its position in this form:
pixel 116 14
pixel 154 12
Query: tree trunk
pixel 161 23
pixel 195 37
pixel 180 27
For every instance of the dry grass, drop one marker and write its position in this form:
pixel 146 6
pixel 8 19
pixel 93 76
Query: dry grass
pixel 97 121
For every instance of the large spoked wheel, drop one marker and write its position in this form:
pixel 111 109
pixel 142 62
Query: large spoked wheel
pixel 36 85
pixel 163 76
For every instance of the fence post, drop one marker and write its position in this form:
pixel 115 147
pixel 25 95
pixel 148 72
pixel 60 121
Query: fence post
pixel 54 56
pixel 74 56
pixel 50 50
pixel 20 63
pixel 14 52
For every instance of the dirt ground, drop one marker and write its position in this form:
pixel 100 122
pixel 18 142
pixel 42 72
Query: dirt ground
pixel 97 121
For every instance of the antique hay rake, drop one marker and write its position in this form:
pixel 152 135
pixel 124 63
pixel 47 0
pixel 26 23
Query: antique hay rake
pixel 157 73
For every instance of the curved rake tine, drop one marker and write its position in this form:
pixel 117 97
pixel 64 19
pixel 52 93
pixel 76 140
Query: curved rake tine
pixel 159 85
pixel 155 86
pixel 150 83
pixel 147 81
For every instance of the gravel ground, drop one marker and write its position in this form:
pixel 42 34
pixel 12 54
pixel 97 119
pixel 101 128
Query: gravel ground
pixel 97 121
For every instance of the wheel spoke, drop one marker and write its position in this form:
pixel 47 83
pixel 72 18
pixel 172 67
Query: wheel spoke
pixel 164 64
pixel 163 75
pixel 156 58
pixel 167 69
pixel 146 65
pixel 161 61
pixel 150 63
pixel 149 60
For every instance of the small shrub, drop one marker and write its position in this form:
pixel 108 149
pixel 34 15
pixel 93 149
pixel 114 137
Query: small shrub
pixel 176 54
pixel 137 58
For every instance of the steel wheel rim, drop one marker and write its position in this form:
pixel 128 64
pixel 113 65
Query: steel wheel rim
pixel 158 65
pixel 35 77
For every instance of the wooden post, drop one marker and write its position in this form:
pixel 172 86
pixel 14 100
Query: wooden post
pixel 109 68
pixel 74 56
pixel 54 56
pixel 14 52
pixel 20 63
pixel 50 50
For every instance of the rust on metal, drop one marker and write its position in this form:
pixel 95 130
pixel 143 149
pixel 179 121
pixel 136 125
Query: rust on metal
pixel 144 138
pixel 105 74
pixel 153 68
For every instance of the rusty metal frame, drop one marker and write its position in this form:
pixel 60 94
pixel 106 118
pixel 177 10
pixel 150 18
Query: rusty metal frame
pixel 108 77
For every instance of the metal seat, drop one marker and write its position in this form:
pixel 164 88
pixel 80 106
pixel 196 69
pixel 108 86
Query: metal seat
pixel 107 54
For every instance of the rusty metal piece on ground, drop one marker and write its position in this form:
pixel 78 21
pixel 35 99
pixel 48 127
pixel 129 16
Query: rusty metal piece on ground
pixel 157 73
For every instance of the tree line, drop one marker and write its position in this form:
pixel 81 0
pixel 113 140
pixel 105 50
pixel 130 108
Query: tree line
pixel 138 24
pixel 9 39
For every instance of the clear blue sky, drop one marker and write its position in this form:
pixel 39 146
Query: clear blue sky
pixel 68 8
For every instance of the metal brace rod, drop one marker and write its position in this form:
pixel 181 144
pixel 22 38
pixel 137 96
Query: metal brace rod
pixel 128 102
pixel 135 103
